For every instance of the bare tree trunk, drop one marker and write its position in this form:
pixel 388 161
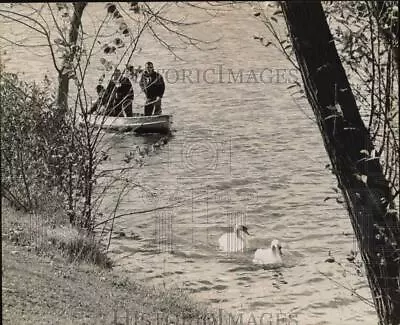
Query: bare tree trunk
pixel 63 77
pixel 360 177
pixel 63 90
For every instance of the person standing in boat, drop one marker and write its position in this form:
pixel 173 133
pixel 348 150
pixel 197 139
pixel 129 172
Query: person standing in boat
pixel 123 95
pixel 119 95
pixel 126 94
pixel 152 84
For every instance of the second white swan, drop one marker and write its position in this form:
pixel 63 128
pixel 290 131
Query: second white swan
pixel 272 255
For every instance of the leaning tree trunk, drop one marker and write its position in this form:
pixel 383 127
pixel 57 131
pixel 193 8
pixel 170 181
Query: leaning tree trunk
pixel 64 76
pixel 349 146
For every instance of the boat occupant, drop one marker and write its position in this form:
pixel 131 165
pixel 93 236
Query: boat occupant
pixel 98 103
pixel 121 94
pixel 118 97
pixel 152 84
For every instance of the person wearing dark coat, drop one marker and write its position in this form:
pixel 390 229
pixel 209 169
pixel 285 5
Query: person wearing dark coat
pixel 119 95
pixel 152 84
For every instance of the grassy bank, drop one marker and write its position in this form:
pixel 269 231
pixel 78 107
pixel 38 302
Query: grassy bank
pixel 44 284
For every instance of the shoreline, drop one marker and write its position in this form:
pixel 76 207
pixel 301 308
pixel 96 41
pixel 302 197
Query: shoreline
pixel 46 288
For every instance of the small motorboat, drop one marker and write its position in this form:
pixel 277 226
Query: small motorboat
pixel 139 123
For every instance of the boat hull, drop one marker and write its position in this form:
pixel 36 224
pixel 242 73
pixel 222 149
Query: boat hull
pixel 139 124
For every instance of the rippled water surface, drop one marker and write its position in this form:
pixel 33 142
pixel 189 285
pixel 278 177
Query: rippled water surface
pixel 242 152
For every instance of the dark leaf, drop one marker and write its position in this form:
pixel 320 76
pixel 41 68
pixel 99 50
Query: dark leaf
pixel 256 14
pixel 135 7
pixel 118 42
pixel 268 44
pixel 111 8
pixel 117 15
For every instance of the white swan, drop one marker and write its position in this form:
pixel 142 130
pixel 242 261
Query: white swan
pixel 234 241
pixel 271 255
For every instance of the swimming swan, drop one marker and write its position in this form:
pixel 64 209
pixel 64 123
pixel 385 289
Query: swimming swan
pixel 234 241
pixel 271 255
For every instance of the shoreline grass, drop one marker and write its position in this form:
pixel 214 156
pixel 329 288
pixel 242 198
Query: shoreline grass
pixel 47 237
pixel 45 283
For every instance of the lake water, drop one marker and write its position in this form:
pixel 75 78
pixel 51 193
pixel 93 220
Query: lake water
pixel 243 151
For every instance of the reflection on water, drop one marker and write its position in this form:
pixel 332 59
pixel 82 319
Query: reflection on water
pixel 240 150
